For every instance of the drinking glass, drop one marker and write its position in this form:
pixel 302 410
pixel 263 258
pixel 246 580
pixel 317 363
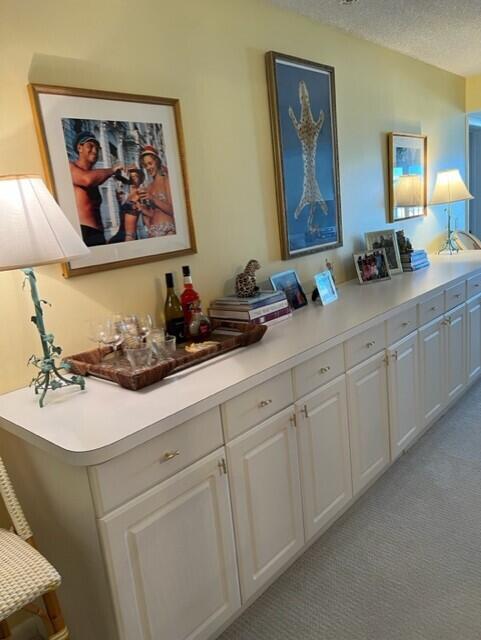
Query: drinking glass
pixel 96 332
pixel 144 325
pixel 140 357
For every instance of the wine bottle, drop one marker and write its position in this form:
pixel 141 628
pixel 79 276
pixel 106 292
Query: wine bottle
pixel 174 316
pixel 188 298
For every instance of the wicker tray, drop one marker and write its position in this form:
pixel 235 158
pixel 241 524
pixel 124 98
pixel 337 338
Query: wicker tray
pixel 228 335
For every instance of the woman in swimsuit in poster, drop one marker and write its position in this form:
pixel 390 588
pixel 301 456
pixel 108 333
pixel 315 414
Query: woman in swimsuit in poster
pixel 156 200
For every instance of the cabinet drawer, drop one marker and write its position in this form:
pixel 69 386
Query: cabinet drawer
pixel 257 404
pixel 474 285
pixel 364 345
pixel 317 371
pixel 455 295
pixel 129 475
pixel 431 308
pixel 401 325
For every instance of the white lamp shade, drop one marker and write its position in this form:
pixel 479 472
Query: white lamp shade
pixel 408 191
pixel 35 230
pixel 449 187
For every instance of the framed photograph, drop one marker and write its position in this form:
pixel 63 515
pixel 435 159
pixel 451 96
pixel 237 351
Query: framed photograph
pixel 372 266
pixel 302 101
pixel 115 162
pixel 407 175
pixel 288 281
pixel 386 239
pixel 325 287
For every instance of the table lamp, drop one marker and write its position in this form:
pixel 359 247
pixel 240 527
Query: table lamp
pixel 449 188
pixel 35 231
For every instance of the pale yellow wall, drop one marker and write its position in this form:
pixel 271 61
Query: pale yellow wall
pixel 473 93
pixel 210 54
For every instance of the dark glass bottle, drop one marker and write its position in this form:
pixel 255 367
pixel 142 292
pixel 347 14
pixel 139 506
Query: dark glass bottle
pixel 174 316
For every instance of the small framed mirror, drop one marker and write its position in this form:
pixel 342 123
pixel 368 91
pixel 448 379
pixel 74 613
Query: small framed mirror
pixel 407 175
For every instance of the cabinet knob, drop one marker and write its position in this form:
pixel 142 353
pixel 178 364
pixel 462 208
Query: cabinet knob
pixel 370 344
pixel 168 455
pixel 457 295
pixel 265 403
pixel 476 285
pixel 433 308
pixel 405 324
pixel 324 369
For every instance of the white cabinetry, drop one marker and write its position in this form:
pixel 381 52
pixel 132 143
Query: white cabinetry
pixel 368 420
pixel 325 460
pixel 474 338
pixel 455 329
pixel 431 367
pixel 266 499
pixel 171 557
pixel 403 380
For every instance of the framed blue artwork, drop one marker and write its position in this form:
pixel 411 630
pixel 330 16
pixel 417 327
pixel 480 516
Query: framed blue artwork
pixel 325 287
pixel 303 120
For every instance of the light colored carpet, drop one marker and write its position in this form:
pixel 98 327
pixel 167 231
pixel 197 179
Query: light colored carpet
pixel 404 563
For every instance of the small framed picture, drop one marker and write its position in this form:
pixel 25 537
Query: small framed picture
pixel 288 281
pixel 325 286
pixel 386 239
pixel 372 266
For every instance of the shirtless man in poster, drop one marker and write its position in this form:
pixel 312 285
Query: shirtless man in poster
pixel 86 181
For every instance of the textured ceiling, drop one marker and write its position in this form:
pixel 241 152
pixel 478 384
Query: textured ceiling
pixel 444 33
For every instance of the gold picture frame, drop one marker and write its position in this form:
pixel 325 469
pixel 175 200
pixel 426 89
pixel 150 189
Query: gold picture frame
pixel 133 139
pixel 407 162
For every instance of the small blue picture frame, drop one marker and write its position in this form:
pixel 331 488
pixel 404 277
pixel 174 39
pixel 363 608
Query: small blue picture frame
pixel 326 287
pixel 288 281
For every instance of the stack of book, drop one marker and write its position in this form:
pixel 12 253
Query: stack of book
pixel 414 260
pixel 267 307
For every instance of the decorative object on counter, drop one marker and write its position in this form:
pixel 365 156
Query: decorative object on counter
pixel 267 307
pixel 466 241
pixel 139 357
pixel 188 298
pixel 372 266
pixel 288 281
pixel 226 336
pixel 325 287
pixel 302 102
pixel 35 232
pixel 407 153
pixel 415 260
pixel 134 212
pixel 173 314
pixel 330 267
pixel 385 239
pixel 404 243
pixel 199 327
pixel 449 188
pixel 245 282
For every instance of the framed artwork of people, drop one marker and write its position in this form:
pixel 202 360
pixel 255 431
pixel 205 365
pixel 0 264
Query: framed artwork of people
pixel 116 164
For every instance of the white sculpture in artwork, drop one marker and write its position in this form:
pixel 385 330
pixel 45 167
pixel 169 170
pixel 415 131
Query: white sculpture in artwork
pixel 308 130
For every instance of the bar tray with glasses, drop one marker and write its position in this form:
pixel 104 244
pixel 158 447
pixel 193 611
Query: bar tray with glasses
pixel 225 336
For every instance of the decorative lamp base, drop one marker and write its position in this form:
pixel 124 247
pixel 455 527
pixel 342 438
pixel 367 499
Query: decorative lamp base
pixel 449 246
pixel 50 375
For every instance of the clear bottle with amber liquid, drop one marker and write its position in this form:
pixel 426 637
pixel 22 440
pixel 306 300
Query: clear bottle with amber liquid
pixel 173 313
pixel 189 299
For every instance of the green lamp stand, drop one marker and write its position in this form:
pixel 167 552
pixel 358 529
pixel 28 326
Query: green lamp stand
pixel 35 231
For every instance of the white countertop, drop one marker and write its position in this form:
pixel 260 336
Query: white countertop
pixel 105 420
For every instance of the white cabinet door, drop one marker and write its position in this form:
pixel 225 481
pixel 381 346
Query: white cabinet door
pixel 404 394
pixel 455 328
pixel 368 420
pixel 324 455
pixel 266 499
pixel 171 556
pixel 474 339
pixel 431 367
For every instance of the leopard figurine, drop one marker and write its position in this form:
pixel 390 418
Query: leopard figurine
pixel 245 282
